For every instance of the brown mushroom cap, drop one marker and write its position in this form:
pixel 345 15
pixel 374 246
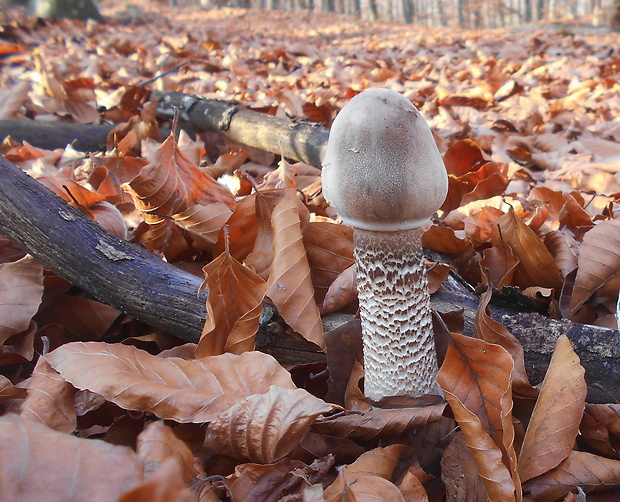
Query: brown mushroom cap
pixel 382 170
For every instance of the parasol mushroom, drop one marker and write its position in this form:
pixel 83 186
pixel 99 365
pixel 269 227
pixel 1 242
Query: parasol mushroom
pixel 384 176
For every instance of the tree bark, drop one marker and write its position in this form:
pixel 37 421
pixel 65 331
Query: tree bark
pixel 70 9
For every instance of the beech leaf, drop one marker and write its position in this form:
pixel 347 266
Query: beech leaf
pixel 233 305
pixel 599 261
pixel 35 460
pixel 195 391
pixel 290 285
pixel 536 265
pixel 21 290
pixel 264 428
pixel 554 424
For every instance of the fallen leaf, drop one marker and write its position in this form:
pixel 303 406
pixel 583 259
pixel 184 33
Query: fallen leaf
pixel 264 428
pixel 553 427
pixel 194 391
pixel 235 297
pixel 38 460
pixel 290 285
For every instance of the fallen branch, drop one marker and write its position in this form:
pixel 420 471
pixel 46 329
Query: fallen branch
pixel 303 141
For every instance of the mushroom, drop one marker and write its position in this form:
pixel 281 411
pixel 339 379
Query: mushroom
pixel 384 176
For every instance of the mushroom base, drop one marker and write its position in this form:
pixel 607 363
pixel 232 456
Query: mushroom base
pixel 397 330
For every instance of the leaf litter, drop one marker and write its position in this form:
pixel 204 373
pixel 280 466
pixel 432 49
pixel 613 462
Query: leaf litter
pixel 527 123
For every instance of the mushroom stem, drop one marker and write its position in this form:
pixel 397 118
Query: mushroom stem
pixel 397 331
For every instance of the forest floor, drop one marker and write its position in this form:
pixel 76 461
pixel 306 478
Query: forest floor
pixel 528 122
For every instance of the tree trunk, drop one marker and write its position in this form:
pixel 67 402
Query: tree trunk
pixel 71 9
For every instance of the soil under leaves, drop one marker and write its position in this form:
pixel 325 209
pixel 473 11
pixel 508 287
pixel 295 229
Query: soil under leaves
pixel 96 404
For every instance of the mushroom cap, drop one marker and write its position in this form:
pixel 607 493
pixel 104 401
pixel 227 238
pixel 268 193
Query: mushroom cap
pixel 382 170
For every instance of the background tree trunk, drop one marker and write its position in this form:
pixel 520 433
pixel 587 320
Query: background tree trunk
pixel 70 9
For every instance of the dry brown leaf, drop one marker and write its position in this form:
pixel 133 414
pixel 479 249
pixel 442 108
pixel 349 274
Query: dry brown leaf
pixel 275 482
pixel 491 331
pixel 157 443
pixel 580 468
pixel 329 248
pixel 242 230
pixel 379 423
pixel 264 428
pixel 499 265
pixel 552 430
pixel 171 186
pixel 369 476
pixel 478 375
pixel 84 318
pixel 235 297
pixel 195 391
pixel 50 399
pixel 460 474
pixel 164 485
pixel 599 261
pixel 21 290
pixel 536 265
pixel 341 292
pixel 499 480
pixel 10 391
pixel 38 460
pixel 560 248
pixel 290 285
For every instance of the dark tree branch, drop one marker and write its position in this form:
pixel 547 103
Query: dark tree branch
pixel 113 270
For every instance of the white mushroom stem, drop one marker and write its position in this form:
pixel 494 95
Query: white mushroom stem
pixel 384 176
pixel 399 348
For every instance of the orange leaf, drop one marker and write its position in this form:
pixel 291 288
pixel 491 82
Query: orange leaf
pixel 329 248
pixel 491 331
pixel 536 265
pixel 172 186
pixel 193 391
pixel 498 479
pixel 233 305
pixel 264 428
pixel 599 261
pixel 552 430
pixel 477 374
pixel 290 285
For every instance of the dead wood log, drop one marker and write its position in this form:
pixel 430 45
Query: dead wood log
pixel 303 141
